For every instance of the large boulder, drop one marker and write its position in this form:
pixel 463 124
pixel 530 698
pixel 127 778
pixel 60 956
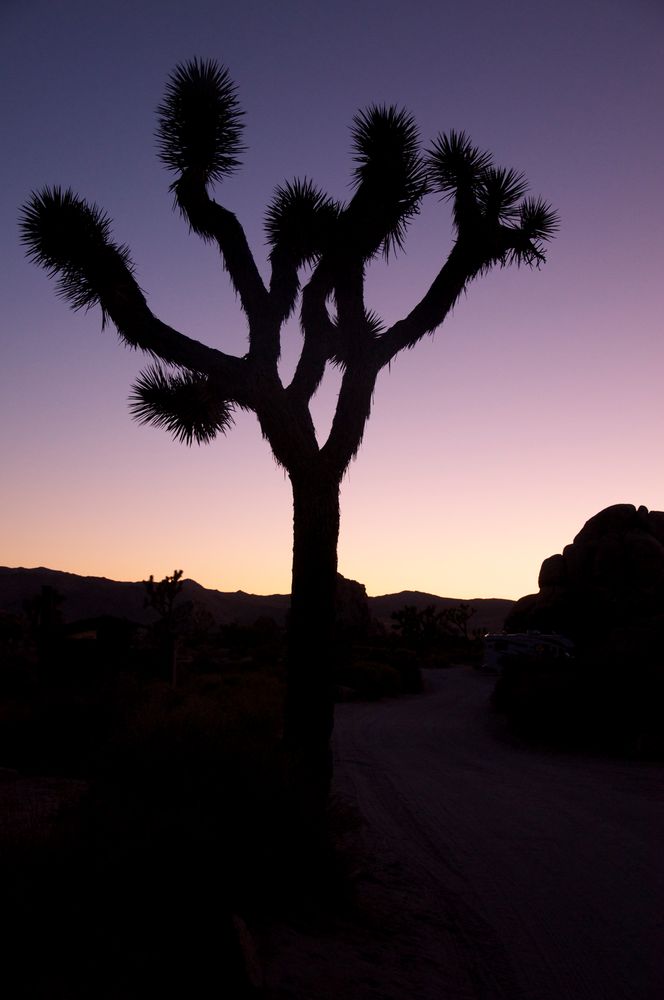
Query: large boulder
pixel 611 577
pixel 352 608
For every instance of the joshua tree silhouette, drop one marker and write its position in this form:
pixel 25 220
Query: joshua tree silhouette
pixel 192 389
pixel 161 597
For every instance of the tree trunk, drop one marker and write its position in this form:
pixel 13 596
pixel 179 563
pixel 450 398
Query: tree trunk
pixel 311 633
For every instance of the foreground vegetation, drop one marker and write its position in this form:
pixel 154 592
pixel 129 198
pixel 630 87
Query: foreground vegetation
pixel 190 819
pixel 191 822
pixel 608 698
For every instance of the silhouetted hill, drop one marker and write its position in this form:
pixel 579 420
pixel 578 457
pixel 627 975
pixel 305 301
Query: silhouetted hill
pixel 490 612
pixel 89 596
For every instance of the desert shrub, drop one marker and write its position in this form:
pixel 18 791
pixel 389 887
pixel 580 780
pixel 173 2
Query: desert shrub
pixel 380 668
pixel 408 666
pixel 536 699
pixel 438 659
pixel 369 679
pixel 16 674
pixel 202 770
pixel 50 735
pixel 138 925
pixel 589 702
pixel 191 815
pixel 58 722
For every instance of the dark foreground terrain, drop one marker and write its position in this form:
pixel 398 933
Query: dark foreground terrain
pixel 490 870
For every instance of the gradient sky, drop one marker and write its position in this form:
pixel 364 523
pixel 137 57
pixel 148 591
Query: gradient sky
pixel 538 402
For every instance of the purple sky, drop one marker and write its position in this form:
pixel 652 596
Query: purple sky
pixel 538 402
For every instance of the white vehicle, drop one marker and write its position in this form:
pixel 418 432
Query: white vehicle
pixel 499 645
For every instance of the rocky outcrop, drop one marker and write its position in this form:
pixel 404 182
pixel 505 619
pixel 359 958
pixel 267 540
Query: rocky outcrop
pixel 610 578
pixel 352 608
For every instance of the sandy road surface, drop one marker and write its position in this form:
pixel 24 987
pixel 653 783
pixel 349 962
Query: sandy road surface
pixel 496 872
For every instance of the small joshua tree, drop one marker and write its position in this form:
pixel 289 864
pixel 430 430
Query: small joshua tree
pixel 161 597
pixel 192 389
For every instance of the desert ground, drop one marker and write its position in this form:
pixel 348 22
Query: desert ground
pixel 488 870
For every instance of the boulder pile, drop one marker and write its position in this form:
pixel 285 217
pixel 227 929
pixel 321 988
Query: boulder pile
pixel 606 592
pixel 610 580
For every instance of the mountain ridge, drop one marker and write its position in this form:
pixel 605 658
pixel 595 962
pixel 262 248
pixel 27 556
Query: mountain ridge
pixel 90 596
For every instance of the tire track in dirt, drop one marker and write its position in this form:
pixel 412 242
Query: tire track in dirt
pixel 539 872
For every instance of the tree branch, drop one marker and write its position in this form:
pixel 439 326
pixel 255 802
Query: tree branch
pixel 461 266
pixel 284 284
pixel 286 424
pixel 323 341
pixel 349 298
pixel 72 240
pixel 477 250
pixel 352 413
pixel 318 331
pixel 300 224
pixel 213 222
pixel 123 301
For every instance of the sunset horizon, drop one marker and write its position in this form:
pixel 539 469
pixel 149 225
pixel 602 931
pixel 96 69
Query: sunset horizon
pixel 536 405
pixel 332 539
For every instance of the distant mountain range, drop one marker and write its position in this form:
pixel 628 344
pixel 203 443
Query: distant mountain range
pixel 90 596
pixel 490 612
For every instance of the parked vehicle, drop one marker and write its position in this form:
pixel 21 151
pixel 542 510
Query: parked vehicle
pixel 500 645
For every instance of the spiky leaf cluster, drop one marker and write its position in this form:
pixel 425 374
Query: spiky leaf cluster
pixel 300 221
pixel 456 169
pixel 200 121
pixel 390 177
pixel 499 193
pixel 71 239
pixel 374 324
pixel 538 220
pixel 536 224
pixel 182 403
pixel 490 197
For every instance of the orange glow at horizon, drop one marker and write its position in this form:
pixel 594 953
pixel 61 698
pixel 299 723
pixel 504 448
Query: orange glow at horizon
pixel 538 402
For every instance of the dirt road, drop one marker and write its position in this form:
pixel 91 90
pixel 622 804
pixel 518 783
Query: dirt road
pixel 497 872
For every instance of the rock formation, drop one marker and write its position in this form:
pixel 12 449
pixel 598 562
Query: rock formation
pixel 352 607
pixel 610 580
